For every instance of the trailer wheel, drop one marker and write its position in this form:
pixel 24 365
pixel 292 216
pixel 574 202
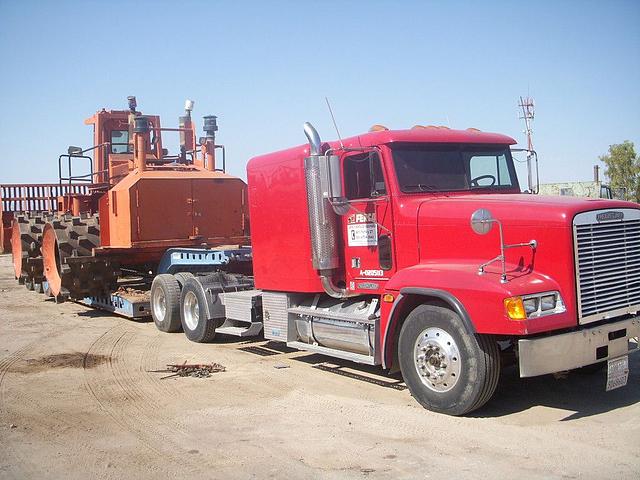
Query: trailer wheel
pixel 446 369
pixel 194 312
pixel 165 303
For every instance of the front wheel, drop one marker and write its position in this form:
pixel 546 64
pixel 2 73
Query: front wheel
pixel 446 369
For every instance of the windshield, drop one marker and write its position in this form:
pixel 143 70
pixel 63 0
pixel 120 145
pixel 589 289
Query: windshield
pixel 442 167
pixel 120 141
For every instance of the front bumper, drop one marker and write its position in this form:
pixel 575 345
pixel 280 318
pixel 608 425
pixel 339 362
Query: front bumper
pixel 565 351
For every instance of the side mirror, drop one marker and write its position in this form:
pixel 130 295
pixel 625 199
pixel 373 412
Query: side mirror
pixel 482 221
pixel 330 168
pixel 74 151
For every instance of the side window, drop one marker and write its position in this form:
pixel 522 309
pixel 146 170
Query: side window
pixel 363 176
pixel 119 141
pixel 489 170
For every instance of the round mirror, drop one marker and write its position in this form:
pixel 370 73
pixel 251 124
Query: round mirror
pixel 481 221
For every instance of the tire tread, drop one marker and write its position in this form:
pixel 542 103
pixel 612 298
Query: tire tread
pixel 486 358
pixel 171 287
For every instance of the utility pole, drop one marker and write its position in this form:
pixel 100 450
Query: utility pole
pixel 527 106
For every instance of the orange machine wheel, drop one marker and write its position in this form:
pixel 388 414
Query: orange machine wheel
pixel 16 248
pixel 50 259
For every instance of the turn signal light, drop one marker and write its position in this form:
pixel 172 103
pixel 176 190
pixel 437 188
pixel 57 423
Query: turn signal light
pixel 515 308
pixel 387 297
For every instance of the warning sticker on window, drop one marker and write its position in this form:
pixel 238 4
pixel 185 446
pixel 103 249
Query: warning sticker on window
pixel 362 234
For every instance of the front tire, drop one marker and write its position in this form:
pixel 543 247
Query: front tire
pixel 446 369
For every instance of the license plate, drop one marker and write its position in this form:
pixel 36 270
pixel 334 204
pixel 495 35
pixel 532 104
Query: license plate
pixel 617 372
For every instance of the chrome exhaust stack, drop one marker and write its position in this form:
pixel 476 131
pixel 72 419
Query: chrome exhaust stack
pixel 322 176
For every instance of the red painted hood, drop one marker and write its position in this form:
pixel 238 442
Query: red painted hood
pixel 513 209
pixel 445 237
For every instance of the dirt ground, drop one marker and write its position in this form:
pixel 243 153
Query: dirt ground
pixel 78 400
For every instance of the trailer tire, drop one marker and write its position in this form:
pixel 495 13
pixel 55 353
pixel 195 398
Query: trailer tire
pixel 446 368
pixel 165 303
pixel 194 313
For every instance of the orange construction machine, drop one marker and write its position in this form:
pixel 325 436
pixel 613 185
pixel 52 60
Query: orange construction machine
pixel 135 202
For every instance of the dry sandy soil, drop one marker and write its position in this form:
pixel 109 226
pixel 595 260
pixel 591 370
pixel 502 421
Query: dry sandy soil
pixel 78 400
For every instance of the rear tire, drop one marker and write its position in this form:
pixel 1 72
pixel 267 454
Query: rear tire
pixel 446 369
pixel 165 303
pixel 193 313
pixel 182 277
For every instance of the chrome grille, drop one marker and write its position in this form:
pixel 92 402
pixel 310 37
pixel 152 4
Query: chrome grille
pixel 607 264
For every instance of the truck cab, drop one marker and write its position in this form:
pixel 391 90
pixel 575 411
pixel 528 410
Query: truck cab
pixel 415 249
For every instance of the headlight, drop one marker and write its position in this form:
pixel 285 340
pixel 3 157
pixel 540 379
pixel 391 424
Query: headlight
pixel 533 306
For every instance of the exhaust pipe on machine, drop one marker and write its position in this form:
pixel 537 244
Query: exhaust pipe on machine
pixel 140 132
pixel 322 176
pixel 187 136
pixel 210 128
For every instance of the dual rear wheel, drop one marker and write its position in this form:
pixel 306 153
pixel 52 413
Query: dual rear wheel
pixel 178 302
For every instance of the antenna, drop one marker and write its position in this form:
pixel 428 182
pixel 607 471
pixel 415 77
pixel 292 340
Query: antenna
pixel 528 112
pixel 335 125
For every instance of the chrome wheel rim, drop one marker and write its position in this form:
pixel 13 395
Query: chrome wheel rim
pixel 191 311
pixel 159 304
pixel 437 359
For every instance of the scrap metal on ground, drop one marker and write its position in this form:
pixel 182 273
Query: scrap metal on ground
pixel 198 370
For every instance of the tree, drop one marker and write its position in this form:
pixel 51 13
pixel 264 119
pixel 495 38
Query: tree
pixel 623 169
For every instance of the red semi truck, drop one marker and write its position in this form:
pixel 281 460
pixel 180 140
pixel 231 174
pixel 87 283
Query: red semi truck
pixel 416 250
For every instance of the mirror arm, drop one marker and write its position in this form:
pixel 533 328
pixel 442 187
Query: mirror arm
pixel 533 244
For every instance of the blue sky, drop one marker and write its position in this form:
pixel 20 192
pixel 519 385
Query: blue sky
pixel 265 67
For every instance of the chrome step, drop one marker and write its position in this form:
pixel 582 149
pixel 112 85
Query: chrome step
pixel 332 352
pixel 245 330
